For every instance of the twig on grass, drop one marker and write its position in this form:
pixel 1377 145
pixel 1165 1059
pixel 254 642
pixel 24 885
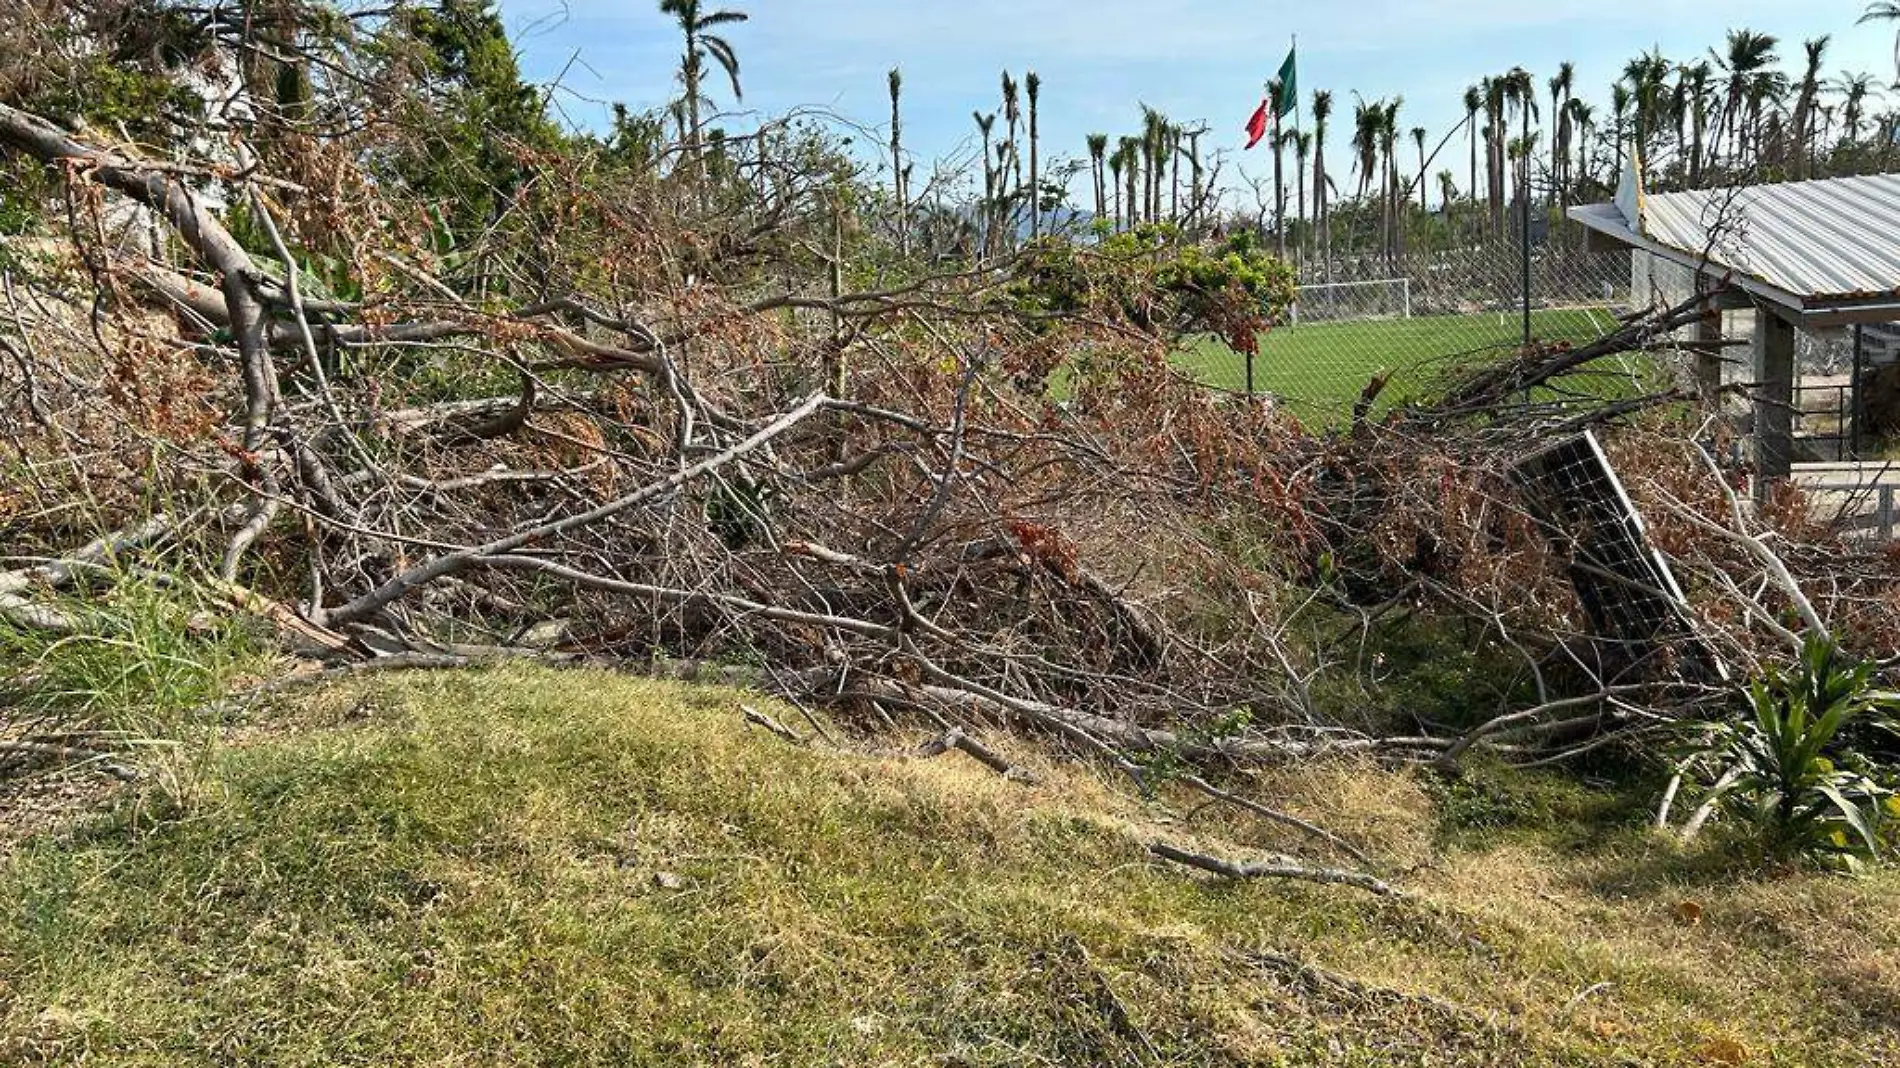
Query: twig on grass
pixel 758 718
pixel 1276 867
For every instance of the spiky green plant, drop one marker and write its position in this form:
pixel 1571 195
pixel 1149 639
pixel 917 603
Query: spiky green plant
pixel 1789 777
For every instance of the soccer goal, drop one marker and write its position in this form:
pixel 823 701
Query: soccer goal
pixel 1326 302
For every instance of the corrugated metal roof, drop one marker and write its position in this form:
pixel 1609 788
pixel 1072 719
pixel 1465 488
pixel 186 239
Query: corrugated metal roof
pixel 1824 242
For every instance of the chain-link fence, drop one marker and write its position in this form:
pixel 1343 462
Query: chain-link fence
pixel 1845 394
pixel 1846 378
pixel 1846 388
pixel 1409 317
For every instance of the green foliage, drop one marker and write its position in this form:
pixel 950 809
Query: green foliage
pixel 1424 674
pixel 1159 280
pixel 146 662
pixel 1164 765
pixel 738 511
pixel 1486 799
pixel 480 116
pixel 635 140
pixel 1785 774
pixel 23 189
pixel 521 866
pixel 111 66
pixel 109 95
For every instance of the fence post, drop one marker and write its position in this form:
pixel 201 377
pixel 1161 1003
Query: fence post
pixel 1405 290
pixel 1854 384
pixel 1525 250
pixel 1708 336
pixel 1526 242
pixel 1774 400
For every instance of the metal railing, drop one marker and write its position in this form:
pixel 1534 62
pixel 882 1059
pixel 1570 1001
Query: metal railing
pixel 1880 521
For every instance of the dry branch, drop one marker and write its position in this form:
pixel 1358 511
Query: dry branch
pixel 1273 868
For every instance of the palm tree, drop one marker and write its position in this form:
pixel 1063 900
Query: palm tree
pixel 1677 109
pixel 1133 149
pixel 1274 91
pixel 1583 121
pixel 1098 147
pixel 896 81
pixel 1474 101
pixel 1009 173
pixel 1033 85
pixel 1748 54
pixel 1495 91
pixel 1164 155
pixel 1854 89
pixel 1302 148
pixel 1116 161
pixel 1645 76
pixel 1561 85
pixel 1365 138
pixel 984 125
pixel 1619 115
pixel 699 45
pixel 1175 171
pixel 1803 119
pixel 1322 112
pixel 1696 81
pixel 1886 11
pixel 1520 92
pixel 1194 161
pixel 1764 87
pixel 1154 158
pixel 1389 176
pixel 1447 192
pixel 1418 138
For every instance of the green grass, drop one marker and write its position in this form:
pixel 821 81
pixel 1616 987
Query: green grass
pixel 518 867
pixel 144 666
pixel 1320 368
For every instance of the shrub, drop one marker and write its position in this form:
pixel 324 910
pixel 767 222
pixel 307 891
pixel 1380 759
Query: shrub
pixel 1786 774
pixel 143 670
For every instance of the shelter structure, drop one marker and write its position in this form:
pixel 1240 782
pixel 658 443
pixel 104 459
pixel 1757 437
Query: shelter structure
pixel 1820 255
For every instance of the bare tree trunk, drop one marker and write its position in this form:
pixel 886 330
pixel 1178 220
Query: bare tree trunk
pixel 1279 194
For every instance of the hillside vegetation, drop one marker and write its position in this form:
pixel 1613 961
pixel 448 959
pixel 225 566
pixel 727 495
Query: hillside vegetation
pixel 519 865
pixel 1124 721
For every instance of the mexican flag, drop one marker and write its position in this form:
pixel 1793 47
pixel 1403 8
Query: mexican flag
pixel 1284 104
pixel 1280 106
pixel 1257 125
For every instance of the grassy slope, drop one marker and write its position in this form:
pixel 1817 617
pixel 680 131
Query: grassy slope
pixel 467 869
pixel 1321 367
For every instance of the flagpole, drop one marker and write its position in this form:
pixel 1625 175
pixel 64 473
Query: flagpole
pixel 1298 129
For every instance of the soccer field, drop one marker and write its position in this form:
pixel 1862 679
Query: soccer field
pixel 1320 368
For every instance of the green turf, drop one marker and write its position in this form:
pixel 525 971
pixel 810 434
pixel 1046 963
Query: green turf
pixel 1320 368
pixel 527 867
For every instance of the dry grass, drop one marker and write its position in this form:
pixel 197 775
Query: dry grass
pixel 520 866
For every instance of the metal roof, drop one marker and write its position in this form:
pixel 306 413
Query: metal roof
pixel 1830 245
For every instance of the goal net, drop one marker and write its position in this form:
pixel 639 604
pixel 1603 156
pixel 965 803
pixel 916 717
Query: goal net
pixel 1382 298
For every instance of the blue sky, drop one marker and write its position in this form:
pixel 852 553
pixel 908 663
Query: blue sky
pixel 1194 59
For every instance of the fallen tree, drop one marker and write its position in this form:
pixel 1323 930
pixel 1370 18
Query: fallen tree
pixel 646 418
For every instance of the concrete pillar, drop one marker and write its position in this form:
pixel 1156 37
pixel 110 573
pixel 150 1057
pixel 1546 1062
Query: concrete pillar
pixel 1708 332
pixel 1774 399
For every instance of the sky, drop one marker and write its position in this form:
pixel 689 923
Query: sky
pixel 1100 59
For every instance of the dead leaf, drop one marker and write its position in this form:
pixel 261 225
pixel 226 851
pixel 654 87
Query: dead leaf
pixel 1723 1051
